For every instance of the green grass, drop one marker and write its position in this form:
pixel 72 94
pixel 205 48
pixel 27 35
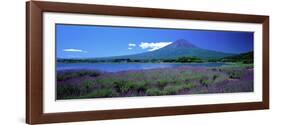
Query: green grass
pixel 123 85
pixel 105 92
pixel 66 90
pixel 171 90
pixel 153 92
pixel 140 86
pixel 87 84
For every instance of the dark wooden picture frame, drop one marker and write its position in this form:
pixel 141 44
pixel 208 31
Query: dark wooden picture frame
pixel 34 61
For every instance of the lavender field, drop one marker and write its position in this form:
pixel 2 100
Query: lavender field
pixel 79 84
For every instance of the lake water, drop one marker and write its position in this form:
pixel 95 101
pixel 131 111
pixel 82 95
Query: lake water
pixel 116 67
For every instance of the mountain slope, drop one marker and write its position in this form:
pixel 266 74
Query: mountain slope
pixel 247 57
pixel 177 49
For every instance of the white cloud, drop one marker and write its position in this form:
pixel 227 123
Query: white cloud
pixel 74 50
pixel 132 45
pixel 153 45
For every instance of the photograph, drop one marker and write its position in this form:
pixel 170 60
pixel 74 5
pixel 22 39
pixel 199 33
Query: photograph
pixel 115 61
pixel 89 61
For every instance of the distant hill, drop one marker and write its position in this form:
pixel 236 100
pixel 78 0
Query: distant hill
pixel 247 57
pixel 179 48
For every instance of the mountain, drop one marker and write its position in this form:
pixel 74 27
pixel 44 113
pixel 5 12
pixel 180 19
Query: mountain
pixel 177 49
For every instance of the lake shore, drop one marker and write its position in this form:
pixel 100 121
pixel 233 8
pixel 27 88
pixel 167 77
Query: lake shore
pixel 117 67
pixel 79 84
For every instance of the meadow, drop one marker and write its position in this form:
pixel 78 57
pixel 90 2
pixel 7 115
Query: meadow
pixel 79 84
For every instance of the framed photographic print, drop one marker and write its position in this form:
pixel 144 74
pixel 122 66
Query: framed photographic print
pixel 95 62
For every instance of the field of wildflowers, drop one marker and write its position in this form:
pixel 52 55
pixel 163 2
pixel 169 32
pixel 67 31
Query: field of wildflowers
pixel 79 84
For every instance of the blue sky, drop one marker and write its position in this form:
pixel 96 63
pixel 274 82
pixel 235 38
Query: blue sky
pixel 85 41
